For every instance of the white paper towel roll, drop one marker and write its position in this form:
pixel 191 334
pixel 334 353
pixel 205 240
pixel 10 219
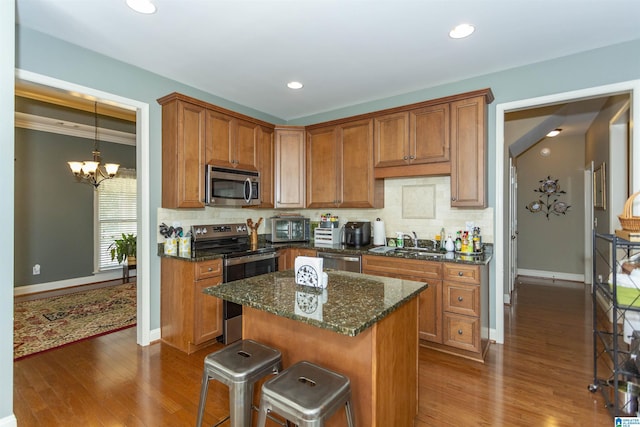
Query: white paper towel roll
pixel 379 235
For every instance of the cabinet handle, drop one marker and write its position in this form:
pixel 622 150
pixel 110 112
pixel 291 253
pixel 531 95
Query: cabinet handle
pixel 453 199
pixel 459 331
pixel 405 158
pixel 460 273
pixel 412 157
pixel 460 299
pixel 210 269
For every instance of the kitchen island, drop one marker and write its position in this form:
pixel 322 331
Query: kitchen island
pixel 365 327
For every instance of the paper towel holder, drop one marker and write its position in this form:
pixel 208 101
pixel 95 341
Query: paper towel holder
pixel 379 235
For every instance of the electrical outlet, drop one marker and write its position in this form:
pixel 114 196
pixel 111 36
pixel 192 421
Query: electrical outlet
pixel 36 269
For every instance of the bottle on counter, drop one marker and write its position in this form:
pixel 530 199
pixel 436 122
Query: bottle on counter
pixel 458 242
pixel 449 245
pixel 400 239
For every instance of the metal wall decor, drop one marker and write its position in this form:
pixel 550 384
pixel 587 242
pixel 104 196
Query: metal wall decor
pixel 549 189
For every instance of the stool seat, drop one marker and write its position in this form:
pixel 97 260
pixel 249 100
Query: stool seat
pixel 306 394
pixel 239 366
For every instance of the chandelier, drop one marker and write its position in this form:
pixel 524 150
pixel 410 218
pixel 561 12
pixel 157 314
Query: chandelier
pixel 91 171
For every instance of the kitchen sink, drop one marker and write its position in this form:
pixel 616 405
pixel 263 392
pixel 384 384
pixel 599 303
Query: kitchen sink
pixel 419 252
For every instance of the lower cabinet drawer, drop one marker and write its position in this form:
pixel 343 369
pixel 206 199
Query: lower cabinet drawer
pixel 461 332
pixel 461 298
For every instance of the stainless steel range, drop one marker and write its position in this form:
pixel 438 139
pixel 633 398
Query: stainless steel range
pixel 240 261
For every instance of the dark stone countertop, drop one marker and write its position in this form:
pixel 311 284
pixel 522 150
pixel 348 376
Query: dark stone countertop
pixel 480 259
pixel 351 303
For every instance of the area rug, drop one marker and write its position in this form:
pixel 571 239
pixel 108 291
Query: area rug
pixel 44 324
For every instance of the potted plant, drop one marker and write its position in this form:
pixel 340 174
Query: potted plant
pixel 124 249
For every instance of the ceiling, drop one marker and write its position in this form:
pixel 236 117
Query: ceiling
pixel 346 52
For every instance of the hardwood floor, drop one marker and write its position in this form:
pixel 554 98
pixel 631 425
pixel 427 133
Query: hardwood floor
pixel 538 378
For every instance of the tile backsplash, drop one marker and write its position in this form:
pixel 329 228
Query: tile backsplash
pixel 411 204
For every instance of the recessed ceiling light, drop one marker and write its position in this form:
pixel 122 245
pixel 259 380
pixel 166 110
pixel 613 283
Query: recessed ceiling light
pixel 461 31
pixel 554 132
pixel 142 6
pixel 545 152
pixel 295 85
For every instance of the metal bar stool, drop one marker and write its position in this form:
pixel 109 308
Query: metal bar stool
pixel 239 366
pixel 306 394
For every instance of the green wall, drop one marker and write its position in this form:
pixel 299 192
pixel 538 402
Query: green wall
pixel 53 212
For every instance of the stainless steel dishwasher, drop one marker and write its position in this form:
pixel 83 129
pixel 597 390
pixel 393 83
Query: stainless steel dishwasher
pixel 341 261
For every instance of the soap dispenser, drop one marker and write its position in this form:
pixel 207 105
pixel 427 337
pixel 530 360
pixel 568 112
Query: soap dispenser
pixel 449 245
pixel 399 239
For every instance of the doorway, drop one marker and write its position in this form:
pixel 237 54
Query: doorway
pixel 502 228
pixel 142 166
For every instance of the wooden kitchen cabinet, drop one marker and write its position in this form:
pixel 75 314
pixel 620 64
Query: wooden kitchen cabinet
pixel 231 142
pixel 465 309
pixel 189 319
pixel 469 153
pixel 340 167
pixel 183 153
pixel 287 257
pixel 266 161
pixel 430 300
pixel 289 167
pixel 453 313
pixel 412 137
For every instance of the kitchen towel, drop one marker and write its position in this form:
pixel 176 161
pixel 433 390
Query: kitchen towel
pixel 379 234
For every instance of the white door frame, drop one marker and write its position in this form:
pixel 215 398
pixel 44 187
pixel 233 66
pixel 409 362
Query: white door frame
pixel 512 266
pixel 143 326
pixel 632 87
pixel 588 224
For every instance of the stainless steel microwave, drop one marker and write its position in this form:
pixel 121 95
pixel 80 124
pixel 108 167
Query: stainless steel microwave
pixel 288 229
pixel 231 187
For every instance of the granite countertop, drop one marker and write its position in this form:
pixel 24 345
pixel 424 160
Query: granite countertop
pixel 351 303
pixel 480 259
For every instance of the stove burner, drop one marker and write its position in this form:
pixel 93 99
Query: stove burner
pixel 229 240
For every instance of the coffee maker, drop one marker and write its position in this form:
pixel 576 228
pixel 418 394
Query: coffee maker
pixel 357 233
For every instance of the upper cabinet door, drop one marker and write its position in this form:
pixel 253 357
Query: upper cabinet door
pixel 322 171
pixel 265 150
pixel 391 143
pixel 245 145
pixel 358 188
pixel 219 139
pixel 289 167
pixel 429 134
pixel 183 151
pixel 468 153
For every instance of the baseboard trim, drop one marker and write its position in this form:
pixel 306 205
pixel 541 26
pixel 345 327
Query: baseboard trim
pixel 69 283
pixel 9 421
pixel 154 335
pixel 551 275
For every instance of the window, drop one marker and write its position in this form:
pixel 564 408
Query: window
pixel 115 214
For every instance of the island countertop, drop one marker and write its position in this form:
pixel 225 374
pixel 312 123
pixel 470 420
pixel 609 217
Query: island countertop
pixel 351 303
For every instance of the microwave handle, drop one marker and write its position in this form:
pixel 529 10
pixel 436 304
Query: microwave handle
pixel 247 184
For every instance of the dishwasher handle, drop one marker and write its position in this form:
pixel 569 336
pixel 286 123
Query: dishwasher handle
pixel 339 256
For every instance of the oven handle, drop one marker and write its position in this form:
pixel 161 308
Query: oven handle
pixel 248 258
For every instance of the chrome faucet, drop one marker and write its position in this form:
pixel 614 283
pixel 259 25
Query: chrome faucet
pixel 415 239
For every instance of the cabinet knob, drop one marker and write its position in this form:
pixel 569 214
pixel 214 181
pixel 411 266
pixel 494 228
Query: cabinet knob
pixel 460 299
pixel 412 157
pixel 459 331
pixel 453 199
pixel 460 273
pixel 405 158
pixel 210 269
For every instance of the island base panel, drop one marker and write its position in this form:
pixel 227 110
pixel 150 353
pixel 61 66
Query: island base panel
pixel 381 362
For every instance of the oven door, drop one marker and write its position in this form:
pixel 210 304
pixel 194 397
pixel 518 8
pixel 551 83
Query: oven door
pixel 240 268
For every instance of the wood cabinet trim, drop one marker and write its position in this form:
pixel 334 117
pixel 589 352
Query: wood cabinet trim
pixel 486 93
pixel 175 95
